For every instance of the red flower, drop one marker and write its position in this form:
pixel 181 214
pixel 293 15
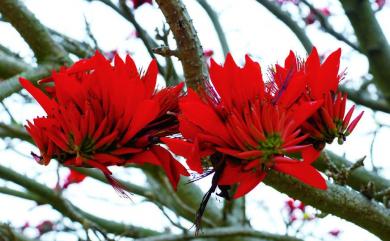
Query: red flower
pixel 73 177
pixel 246 129
pixel 322 81
pixel 100 115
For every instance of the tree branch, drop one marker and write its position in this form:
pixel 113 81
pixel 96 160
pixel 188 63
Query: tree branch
pixel 357 97
pixel 357 178
pixel 371 40
pixel 8 234
pixel 226 232
pixel 217 25
pixel 285 17
pixel 189 47
pixel 328 28
pixel 44 194
pixel 33 32
pixel 10 66
pixel 127 14
pixel 340 201
pixel 11 85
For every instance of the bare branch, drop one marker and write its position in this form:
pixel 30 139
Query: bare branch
pixel 285 17
pixel 359 98
pixel 217 25
pixel 33 32
pixel 340 201
pixel 42 194
pixel 328 27
pixel 10 66
pixel 371 40
pixel 190 50
pixel 358 178
pixel 226 232
pixel 11 85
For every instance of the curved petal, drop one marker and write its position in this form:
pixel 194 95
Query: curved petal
pixel 303 172
pixel 43 100
pixel 251 180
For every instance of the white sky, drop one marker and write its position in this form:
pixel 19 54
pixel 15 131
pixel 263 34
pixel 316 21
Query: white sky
pixel 249 29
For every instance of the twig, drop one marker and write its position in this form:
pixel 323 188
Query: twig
pixel 285 17
pixel 226 232
pixel 35 34
pixel 217 25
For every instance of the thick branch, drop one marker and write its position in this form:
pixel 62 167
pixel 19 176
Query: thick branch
pixel 357 178
pixel 157 192
pixel 371 40
pixel 190 50
pixel 10 66
pixel 285 17
pixel 33 32
pixel 357 97
pixel 14 131
pixel 337 200
pixel 8 234
pixel 11 85
pixel 78 48
pixel 328 27
pixel 42 194
pixel 217 25
pixel 228 232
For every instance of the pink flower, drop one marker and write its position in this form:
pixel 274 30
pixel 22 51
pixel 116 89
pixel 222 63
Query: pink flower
pixel 311 17
pixel 335 232
pixel 45 227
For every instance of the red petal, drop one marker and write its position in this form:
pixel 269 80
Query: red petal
pixel 172 167
pixel 150 78
pixel 310 154
pixel 146 112
pixel 251 180
pixel 43 100
pixel 144 157
pixel 303 172
pixel 204 116
pixel 303 111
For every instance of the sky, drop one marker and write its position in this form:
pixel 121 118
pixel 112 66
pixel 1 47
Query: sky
pixel 250 29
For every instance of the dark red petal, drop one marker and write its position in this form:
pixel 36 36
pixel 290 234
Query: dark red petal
pixel 310 154
pixel 330 70
pixel 303 111
pixel 231 174
pixel 303 172
pixel 251 180
pixel 150 78
pixel 43 100
pixel 146 112
pixel 353 124
pixel 204 116
pixel 178 146
pixel 126 150
pixel 144 157
pixel 172 167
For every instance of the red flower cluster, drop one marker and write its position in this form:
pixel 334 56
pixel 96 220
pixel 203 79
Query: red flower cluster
pixel 100 115
pixel 321 83
pixel 239 128
pixel 242 126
